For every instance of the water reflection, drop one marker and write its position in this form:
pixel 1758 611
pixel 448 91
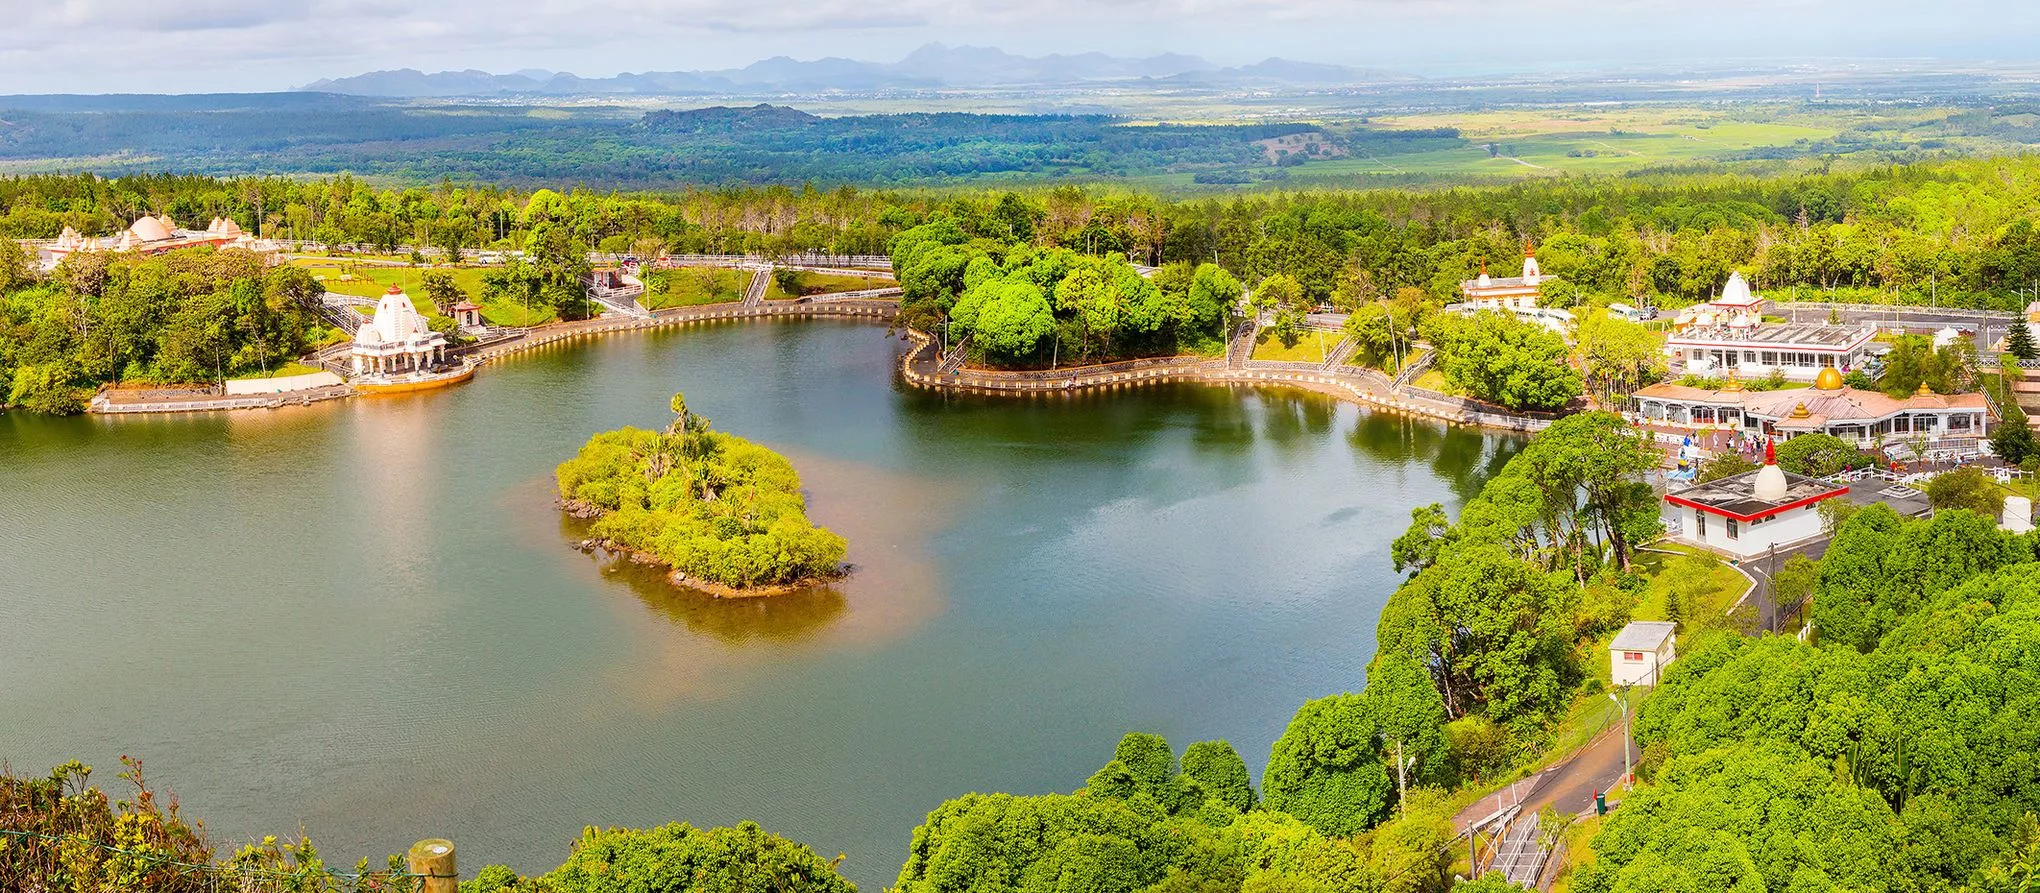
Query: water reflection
pixel 789 618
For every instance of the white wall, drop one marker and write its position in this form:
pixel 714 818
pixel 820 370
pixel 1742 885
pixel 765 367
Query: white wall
pixel 307 382
pixel 1752 539
pixel 1633 672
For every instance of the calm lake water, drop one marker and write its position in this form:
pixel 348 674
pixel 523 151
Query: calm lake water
pixel 364 620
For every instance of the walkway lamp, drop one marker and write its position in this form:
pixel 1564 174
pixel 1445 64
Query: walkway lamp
pixel 1622 702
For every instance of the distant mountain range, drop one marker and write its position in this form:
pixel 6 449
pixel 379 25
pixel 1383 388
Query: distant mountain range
pixel 932 66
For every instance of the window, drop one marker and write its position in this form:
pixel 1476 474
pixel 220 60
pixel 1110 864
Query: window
pixel 1770 358
pixel 1632 655
pixel 1699 524
pixel 1827 361
pixel 1732 529
pixel 1749 356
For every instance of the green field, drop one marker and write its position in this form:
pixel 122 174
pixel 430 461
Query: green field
pixel 373 282
pixel 828 284
pixel 1311 347
pixel 695 285
pixel 1570 141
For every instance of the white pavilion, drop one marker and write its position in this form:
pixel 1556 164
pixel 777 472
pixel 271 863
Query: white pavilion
pixel 397 341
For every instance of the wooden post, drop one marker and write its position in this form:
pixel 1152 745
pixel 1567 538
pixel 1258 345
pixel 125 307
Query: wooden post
pixel 433 858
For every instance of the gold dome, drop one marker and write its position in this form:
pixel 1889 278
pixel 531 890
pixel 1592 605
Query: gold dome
pixel 1799 412
pixel 1829 379
pixel 1924 391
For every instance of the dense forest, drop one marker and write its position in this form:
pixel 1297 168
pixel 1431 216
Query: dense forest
pixel 327 134
pixel 1955 233
pixel 1960 233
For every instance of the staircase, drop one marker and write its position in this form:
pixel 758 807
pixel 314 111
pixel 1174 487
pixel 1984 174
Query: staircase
pixel 1342 352
pixel 953 360
pixel 340 311
pixel 1240 347
pixel 621 300
pixel 754 295
pixel 1414 368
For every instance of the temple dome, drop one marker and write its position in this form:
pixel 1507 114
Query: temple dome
pixel 150 229
pixel 1829 379
pixel 1736 293
pixel 397 319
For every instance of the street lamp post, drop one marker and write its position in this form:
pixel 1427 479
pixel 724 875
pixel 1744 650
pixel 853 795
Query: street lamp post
pixel 1623 703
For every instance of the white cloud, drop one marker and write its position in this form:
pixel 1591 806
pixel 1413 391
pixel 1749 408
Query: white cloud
pixel 150 45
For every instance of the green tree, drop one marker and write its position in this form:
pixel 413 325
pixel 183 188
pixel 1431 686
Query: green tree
pixel 441 291
pixel 2019 341
pixel 1619 356
pixel 1724 465
pixel 1220 773
pixel 1501 360
pixel 2013 441
pixel 1966 487
pixel 1327 768
pixel 47 388
pixel 1819 455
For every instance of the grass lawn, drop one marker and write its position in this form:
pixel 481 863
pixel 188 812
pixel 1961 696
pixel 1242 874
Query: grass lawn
pixel 285 370
pixel 1432 380
pixel 1311 347
pixel 371 282
pixel 1707 586
pixel 812 283
pixel 699 285
pixel 511 313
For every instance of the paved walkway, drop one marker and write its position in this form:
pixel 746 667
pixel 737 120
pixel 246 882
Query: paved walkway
pixel 1568 786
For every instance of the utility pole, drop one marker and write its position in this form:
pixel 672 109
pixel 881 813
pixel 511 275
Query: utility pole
pixel 1401 783
pixel 1623 702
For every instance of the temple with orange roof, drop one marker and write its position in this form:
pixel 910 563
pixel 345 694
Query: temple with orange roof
pixel 1830 406
pixel 153 235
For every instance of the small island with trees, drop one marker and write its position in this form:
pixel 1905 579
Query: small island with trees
pixel 724 513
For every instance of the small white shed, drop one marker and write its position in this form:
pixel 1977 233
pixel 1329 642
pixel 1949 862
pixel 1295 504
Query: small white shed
pixel 1641 650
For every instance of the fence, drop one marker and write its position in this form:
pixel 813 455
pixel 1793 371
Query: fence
pixel 1900 308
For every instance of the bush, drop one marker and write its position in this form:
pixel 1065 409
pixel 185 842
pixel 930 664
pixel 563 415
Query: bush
pixel 1966 488
pixel 1819 455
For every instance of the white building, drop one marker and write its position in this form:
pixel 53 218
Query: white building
pixel 1744 515
pixel 1641 651
pixel 397 341
pixel 1728 336
pixel 1514 295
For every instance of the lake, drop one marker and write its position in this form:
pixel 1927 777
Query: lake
pixel 365 619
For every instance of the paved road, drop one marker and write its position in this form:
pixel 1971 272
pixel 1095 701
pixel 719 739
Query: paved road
pixel 1988 328
pixel 1568 787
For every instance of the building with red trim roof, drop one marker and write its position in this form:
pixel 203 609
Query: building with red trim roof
pixel 1744 515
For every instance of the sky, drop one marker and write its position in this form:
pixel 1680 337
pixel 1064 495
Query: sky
pixel 191 46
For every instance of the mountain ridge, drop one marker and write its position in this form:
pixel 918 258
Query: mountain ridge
pixel 930 66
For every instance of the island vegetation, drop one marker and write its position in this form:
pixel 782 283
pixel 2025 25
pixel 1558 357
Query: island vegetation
pixel 724 513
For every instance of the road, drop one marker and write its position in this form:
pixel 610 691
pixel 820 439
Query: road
pixel 1568 787
pixel 1988 326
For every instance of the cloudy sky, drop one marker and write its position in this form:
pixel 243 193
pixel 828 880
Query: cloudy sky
pixel 94 46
